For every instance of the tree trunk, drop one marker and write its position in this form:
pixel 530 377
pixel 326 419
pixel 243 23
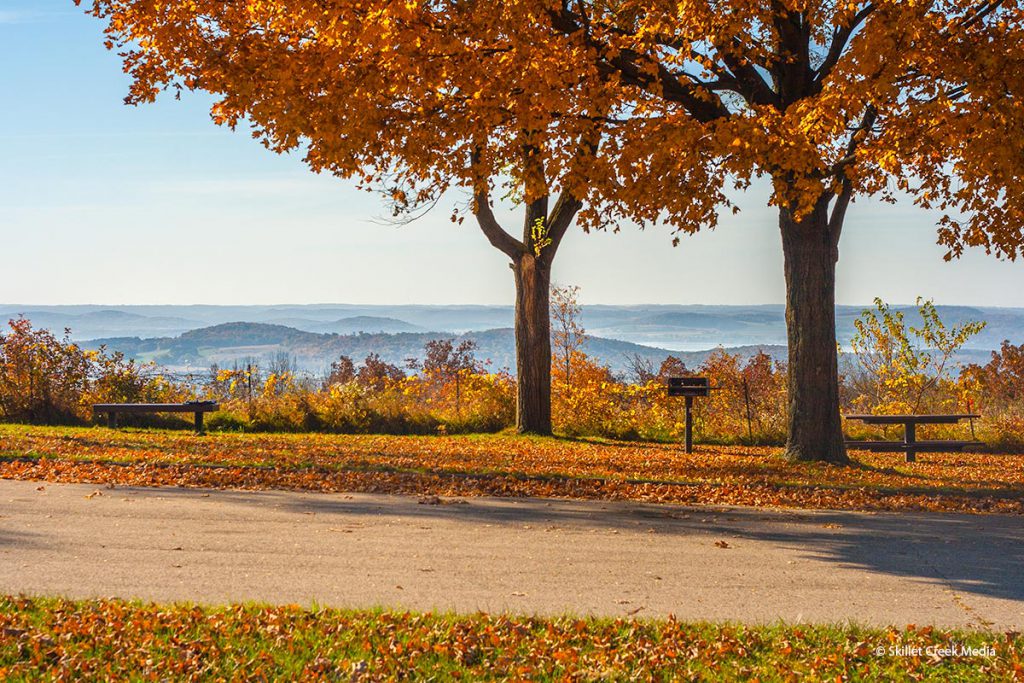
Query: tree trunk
pixel 809 247
pixel 533 345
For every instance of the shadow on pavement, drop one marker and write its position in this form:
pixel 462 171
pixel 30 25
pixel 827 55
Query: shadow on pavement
pixel 979 554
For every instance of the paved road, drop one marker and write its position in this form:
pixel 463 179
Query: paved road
pixel 524 555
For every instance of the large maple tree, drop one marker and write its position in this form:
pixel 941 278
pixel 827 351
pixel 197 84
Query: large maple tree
pixel 405 98
pixel 642 110
pixel 830 100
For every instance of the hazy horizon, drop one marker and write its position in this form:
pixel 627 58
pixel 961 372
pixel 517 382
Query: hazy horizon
pixel 289 304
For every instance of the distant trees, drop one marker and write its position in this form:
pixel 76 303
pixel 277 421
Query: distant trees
pixel 568 335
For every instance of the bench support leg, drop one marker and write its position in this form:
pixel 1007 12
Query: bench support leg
pixel 199 423
pixel 909 439
pixel 112 419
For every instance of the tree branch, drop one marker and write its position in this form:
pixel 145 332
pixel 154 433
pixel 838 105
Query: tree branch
pixel 535 186
pixel 626 64
pixel 841 38
pixel 495 234
pixel 565 209
pixel 838 215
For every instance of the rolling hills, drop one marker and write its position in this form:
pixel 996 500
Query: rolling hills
pixel 313 352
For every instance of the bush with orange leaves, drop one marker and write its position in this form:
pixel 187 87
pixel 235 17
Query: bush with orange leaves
pixel 375 398
pixel 51 380
pixel 999 390
pixel 747 405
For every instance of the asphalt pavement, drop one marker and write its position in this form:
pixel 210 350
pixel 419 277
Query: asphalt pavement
pixel 525 556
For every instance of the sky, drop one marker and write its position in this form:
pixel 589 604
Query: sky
pixel 108 204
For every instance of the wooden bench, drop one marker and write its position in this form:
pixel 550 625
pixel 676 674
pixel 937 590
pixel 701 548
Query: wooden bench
pixel 198 408
pixel 910 443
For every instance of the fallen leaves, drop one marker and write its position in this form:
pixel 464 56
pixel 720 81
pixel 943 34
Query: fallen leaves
pixel 445 470
pixel 115 640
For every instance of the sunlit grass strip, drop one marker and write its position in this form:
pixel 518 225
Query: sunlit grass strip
pixel 508 465
pixel 110 639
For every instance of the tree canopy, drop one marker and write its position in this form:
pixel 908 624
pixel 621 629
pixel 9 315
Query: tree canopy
pixel 829 99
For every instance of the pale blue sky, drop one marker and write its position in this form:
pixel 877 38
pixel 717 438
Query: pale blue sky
pixel 103 203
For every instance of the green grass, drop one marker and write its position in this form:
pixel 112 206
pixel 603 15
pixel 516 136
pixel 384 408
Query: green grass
pixel 45 639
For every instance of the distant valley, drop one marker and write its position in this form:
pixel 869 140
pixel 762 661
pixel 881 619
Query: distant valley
pixel 312 352
pixel 191 338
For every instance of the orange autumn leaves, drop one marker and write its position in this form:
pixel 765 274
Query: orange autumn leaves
pixel 689 98
pixel 64 639
pixel 512 466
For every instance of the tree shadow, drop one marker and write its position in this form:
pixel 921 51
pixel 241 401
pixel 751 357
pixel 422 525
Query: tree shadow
pixel 19 540
pixel 977 554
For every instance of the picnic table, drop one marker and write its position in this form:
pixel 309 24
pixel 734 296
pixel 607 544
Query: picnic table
pixel 910 444
pixel 195 407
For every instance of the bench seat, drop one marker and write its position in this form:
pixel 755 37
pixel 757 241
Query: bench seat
pixel 195 407
pixel 937 446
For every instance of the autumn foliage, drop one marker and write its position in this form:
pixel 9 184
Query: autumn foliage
pixel 62 639
pixel 51 380
pixel 894 366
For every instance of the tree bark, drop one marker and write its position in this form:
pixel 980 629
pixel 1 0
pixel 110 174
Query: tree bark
pixel 810 249
pixel 533 344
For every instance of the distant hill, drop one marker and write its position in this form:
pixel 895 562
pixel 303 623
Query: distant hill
pixel 677 327
pixel 195 336
pixel 102 322
pixel 368 323
pixel 313 352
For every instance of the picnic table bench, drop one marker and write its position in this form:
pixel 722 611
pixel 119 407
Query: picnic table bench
pixel 910 444
pixel 196 407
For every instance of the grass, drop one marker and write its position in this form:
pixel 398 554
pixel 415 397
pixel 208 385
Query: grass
pixel 57 639
pixel 508 465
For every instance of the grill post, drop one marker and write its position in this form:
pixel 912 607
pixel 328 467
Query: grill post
pixel 688 388
pixel 689 424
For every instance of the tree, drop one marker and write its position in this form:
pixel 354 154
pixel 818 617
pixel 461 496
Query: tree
pixel 646 111
pixel 377 373
pixel 448 362
pixel 42 377
pixel 569 335
pixel 410 98
pixel 672 367
pixel 1001 379
pixel 342 371
pixel 830 100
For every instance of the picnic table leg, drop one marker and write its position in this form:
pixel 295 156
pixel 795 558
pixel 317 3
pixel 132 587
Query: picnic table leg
pixel 909 439
pixel 199 423
pixel 689 424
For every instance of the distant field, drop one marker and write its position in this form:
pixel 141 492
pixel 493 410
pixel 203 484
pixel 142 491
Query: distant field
pixel 506 465
pixel 61 640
